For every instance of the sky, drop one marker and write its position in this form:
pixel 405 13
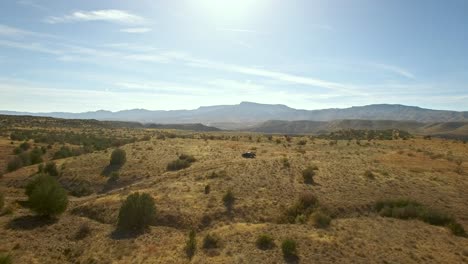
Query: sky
pixel 76 56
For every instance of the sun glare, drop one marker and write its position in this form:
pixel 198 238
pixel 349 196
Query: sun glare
pixel 229 9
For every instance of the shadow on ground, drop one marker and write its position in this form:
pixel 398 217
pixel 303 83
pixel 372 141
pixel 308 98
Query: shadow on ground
pixel 30 222
pixel 291 259
pixel 110 169
pixel 121 235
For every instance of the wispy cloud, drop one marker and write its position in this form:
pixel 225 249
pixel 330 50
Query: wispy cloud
pixel 108 15
pixel 83 54
pixel 12 31
pixel 32 4
pixel 136 30
pixel 30 46
pixel 395 69
pixel 9 31
pixel 275 75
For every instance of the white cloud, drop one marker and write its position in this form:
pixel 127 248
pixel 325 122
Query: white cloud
pixel 108 15
pixel 136 30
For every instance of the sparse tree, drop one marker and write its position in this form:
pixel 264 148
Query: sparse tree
pixel 136 213
pixel 45 196
pixel 118 157
pixel 51 168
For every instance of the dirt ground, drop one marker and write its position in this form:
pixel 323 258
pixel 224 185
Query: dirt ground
pixel 431 172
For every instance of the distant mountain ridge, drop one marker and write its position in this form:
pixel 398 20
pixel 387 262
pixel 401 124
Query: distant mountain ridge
pixel 255 113
pixel 454 130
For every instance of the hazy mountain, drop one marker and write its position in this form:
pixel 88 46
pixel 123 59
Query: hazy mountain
pixel 254 113
pixel 442 129
pixel 305 126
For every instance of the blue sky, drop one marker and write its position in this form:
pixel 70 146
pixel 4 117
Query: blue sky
pixel 87 55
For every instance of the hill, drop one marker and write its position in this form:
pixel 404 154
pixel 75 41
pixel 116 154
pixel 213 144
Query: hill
pixel 40 121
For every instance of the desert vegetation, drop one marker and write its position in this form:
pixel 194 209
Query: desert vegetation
pixel 5 259
pixel 136 213
pixel 265 242
pixel 184 161
pixel 407 209
pixel 45 196
pixel 191 244
pixel 289 248
pixel 321 201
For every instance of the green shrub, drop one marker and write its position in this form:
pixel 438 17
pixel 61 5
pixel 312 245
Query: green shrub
pixel 184 161
pixel 80 188
pixel 25 146
pixel 308 200
pixel 407 209
pixel 308 175
pixel 118 157
pixel 228 200
pixel 211 241
pixel 136 213
pixel 17 150
pixel 35 156
pixel 434 217
pixel 5 259
pixel 14 164
pixel 51 168
pixel 45 196
pixel 299 212
pixel 320 219
pixel 191 244
pixel 178 164
pixel 289 248
pixel 64 152
pixel 265 242
pixel 457 229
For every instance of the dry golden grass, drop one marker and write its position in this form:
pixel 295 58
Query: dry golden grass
pixel 263 188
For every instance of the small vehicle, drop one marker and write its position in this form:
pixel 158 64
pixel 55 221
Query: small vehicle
pixel 248 155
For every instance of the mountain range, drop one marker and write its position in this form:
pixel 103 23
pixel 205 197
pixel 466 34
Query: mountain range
pixel 250 114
